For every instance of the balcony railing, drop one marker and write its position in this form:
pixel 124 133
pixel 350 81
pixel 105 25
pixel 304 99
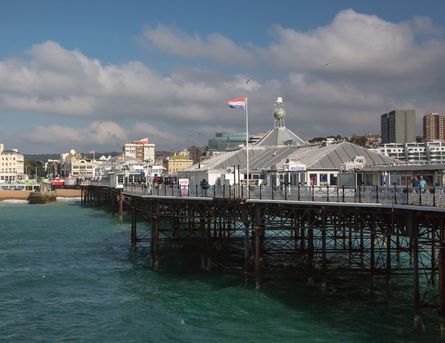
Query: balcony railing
pixel 396 195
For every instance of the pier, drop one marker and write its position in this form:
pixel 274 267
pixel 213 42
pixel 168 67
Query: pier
pixel 306 233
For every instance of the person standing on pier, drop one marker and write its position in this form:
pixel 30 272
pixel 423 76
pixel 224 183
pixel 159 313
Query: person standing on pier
pixel 422 184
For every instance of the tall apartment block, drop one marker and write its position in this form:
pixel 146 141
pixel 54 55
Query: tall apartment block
pixel 434 127
pixel 398 126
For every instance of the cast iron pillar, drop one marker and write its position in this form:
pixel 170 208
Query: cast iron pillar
pixel 259 229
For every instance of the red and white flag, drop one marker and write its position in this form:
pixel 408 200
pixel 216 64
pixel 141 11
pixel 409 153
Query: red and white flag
pixel 142 141
pixel 237 103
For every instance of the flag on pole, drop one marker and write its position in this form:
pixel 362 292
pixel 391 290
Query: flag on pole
pixel 237 103
pixel 142 141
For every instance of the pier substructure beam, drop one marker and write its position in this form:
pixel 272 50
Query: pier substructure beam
pixel 206 262
pixel 155 237
pixel 133 225
pixel 259 230
pixel 310 245
pixel 113 202
pixel 414 230
pixel 323 247
pixel 246 223
pixel 442 278
pixel 372 245
pixel 389 230
pixel 121 206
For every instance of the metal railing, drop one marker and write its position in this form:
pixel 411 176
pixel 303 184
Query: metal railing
pixel 397 195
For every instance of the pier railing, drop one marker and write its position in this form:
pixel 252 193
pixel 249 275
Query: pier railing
pixel 397 195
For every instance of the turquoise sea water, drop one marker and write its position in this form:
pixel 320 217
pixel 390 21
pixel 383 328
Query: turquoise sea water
pixel 67 274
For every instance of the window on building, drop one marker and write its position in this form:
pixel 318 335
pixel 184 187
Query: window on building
pixel 313 179
pixel 323 179
pixel 333 180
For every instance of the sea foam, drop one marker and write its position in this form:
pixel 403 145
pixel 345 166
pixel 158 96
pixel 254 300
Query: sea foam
pixel 14 201
pixel 66 199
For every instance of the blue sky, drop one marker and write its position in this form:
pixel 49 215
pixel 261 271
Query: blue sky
pixel 95 74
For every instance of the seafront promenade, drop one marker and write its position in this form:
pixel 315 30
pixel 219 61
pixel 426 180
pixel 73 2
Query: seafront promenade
pixel 23 195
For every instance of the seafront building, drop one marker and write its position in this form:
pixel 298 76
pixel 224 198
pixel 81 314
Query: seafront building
pixel 434 127
pixel 415 153
pixel 141 150
pixel 82 168
pixel 175 163
pixel 226 141
pixel 66 160
pixel 398 126
pixel 12 164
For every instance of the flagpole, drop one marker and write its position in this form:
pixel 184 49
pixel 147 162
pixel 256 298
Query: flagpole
pixel 246 110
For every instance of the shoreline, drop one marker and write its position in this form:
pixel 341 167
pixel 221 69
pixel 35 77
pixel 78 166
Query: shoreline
pixel 23 195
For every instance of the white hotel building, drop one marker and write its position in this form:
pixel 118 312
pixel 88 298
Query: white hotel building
pixel 12 164
pixel 141 150
pixel 417 153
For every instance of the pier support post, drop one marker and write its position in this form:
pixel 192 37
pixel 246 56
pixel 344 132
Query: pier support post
pixel 133 225
pixel 113 203
pixel 121 206
pixel 155 238
pixel 323 247
pixel 388 249
pixel 372 245
pixel 205 261
pixel 310 246
pixel 258 258
pixel 418 324
pixel 246 250
pixel 259 228
pixel 442 279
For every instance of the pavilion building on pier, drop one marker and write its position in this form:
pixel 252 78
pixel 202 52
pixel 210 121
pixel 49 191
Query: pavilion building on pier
pixel 282 157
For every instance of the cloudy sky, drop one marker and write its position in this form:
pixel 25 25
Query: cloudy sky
pixel 96 74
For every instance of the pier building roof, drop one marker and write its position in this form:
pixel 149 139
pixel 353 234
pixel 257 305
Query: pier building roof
pixel 314 156
pixel 280 135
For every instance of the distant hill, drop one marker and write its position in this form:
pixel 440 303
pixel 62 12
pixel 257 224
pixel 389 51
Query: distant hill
pixel 42 157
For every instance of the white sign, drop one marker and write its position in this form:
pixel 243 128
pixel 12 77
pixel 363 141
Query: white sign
pixel 296 167
pixel 184 186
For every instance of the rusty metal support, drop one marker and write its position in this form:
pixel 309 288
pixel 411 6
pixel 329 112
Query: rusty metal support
pixel 434 232
pixel 204 249
pixel 310 246
pixel 246 252
pixel 418 324
pixel 302 235
pixel 121 206
pixel 323 239
pixel 133 225
pixel 259 228
pixel 372 245
pixel 388 247
pixel 155 238
pixel 113 203
pixel 442 279
pixel 258 258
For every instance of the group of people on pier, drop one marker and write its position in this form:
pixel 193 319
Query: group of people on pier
pixel 418 183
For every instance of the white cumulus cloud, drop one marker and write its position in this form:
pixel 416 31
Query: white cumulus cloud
pixel 335 79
